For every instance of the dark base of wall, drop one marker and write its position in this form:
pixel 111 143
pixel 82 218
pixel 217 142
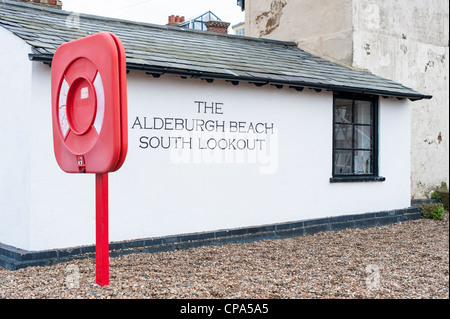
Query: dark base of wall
pixel 13 258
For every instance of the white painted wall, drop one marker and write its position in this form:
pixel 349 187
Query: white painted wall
pixel 62 206
pixel 168 191
pixel 15 132
pixel 164 192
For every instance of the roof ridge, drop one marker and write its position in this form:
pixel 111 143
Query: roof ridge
pixel 145 24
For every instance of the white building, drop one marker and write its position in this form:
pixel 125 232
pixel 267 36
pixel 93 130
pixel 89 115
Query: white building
pixel 256 139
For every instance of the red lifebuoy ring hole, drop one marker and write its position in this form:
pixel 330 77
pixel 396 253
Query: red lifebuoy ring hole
pixel 81 105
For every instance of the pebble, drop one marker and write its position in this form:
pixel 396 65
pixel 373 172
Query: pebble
pixel 408 260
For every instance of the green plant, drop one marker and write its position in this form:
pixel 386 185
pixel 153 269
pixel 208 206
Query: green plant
pixel 441 194
pixel 434 211
pixel 436 195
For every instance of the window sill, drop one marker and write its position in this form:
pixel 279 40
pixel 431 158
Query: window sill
pixel 352 179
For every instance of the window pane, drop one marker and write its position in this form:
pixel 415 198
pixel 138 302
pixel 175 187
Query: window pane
pixel 343 162
pixel 343 111
pixel 363 162
pixel 363 137
pixel 354 141
pixel 343 136
pixel 362 112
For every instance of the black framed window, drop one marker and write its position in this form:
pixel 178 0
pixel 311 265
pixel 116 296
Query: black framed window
pixel 355 139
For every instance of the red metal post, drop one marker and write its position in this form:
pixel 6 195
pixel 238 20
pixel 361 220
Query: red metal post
pixel 102 241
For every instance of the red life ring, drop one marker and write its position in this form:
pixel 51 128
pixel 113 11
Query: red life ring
pixel 89 104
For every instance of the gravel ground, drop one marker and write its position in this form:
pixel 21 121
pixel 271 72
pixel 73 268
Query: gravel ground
pixel 404 260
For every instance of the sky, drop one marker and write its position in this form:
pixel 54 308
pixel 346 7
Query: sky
pixel 157 11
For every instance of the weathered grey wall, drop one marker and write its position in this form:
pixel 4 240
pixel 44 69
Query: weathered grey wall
pixel 323 30
pixel 406 41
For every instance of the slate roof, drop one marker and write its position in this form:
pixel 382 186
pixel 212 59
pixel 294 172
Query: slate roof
pixel 157 50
